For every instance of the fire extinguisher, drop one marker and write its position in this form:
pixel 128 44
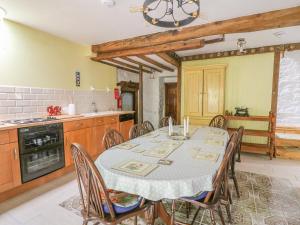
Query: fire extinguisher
pixel 118 98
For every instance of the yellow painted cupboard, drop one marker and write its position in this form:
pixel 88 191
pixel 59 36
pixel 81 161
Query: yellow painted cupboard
pixel 204 90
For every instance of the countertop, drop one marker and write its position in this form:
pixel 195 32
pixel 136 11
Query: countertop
pixel 65 118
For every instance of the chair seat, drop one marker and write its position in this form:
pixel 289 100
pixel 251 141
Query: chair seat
pixel 198 197
pixel 124 204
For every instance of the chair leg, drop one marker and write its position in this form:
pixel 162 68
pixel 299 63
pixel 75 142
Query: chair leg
pixel 173 213
pixel 221 215
pixel 229 197
pixel 212 217
pixel 188 209
pixel 227 207
pixel 239 156
pixel 236 186
pixel 195 216
pixel 135 220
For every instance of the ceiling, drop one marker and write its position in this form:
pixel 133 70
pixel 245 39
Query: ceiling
pixel 90 22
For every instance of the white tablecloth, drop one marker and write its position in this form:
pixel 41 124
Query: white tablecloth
pixel 186 176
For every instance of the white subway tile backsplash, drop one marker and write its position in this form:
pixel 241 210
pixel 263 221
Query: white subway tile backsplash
pixel 3 110
pixel 36 90
pixel 29 96
pixel 15 96
pixel 7 103
pixel 6 89
pixel 22 90
pixel 13 110
pixel 3 96
pixel 23 103
pixel 26 102
pixel 29 109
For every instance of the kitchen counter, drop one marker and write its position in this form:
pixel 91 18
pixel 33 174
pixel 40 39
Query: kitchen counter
pixel 65 118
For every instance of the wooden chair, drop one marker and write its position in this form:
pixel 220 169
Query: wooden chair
pixel 111 138
pixel 148 127
pixel 236 138
pixel 219 121
pixel 164 122
pixel 136 131
pixel 96 200
pixel 211 200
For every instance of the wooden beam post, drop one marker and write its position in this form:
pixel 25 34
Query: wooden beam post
pixel 118 67
pixel 179 81
pixel 172 46
pixel 276 71
pixel 141 102
pixel 153 62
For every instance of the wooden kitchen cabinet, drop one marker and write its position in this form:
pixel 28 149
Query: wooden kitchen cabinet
pixel 204 89
pixel 10 175
pixel 125 127
pixel 98 133
pixel 75 136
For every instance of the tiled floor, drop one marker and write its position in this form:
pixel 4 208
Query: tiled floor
pixel 41 206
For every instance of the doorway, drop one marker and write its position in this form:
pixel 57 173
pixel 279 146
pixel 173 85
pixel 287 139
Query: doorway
pixel 171 100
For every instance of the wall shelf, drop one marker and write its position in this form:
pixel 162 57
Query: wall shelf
pixel 269 134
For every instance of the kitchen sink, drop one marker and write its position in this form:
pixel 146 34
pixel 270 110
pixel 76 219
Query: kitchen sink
pixel 100 113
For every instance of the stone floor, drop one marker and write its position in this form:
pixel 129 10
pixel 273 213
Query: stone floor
pixel 270 194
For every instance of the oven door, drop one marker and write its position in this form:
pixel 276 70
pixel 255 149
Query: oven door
pixel 39 163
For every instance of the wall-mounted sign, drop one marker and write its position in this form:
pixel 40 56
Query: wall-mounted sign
pixel 77 78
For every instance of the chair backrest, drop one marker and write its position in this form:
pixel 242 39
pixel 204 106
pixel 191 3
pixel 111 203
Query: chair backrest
pixel 164 122
pixel 218 121
pixel 220 179
pixel 90 183
pixel 111 138
pixel 148 127
pixel 238 142
pixel 136 131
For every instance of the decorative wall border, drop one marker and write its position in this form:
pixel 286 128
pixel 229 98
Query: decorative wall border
pixel 249 51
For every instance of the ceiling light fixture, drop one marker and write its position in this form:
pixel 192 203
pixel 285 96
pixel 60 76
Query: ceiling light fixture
pixel 241 44
pixel 2 13
pixel 170 13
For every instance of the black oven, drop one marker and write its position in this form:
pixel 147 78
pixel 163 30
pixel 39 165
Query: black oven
pixel 41 150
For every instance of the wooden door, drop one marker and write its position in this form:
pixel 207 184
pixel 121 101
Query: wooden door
pixel 171 100
pixel 10 175
pixel 76 136
pixel 98 133
pixel 193 91
pixel 213 92
pixel 125 127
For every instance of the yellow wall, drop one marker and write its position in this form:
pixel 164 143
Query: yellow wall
pixel 34 58
pixel 248 83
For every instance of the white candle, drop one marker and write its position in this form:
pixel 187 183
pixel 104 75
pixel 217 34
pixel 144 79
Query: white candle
pixel 187 124
pixel 184 127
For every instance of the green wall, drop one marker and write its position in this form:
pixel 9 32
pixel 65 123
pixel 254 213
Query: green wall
pixel 33 58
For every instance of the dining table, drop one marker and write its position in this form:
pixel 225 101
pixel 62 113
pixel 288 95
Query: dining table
pixel 159 166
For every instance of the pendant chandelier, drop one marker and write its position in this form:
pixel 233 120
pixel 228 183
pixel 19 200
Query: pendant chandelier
pixel 171 13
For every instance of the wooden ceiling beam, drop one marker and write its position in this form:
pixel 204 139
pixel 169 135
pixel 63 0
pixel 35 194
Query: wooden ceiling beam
pixel 141 64
pixel 262 21
pixel 118 62
pixel 169 59
pixel 172 46
pixel 116 66
pixel 158 64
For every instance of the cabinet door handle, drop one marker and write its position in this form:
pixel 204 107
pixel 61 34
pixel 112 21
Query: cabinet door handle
pixel 15 154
